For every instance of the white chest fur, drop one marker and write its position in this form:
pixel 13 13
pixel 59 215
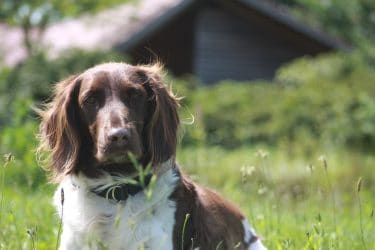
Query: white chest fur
pixel 93 222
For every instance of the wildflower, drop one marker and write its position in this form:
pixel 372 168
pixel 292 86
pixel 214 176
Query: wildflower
pixel 262 190
pixel 310 167
pixel 262 153
pixel 322 159
pixel 246 172
pixel 8 158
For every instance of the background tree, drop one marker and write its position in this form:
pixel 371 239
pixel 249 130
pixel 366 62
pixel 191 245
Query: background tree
pixel 351 20
pixel 34 15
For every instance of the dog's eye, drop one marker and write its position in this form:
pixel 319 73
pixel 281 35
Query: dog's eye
pixel 91 101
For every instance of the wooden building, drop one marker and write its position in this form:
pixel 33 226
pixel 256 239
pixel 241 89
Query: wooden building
pixel 221 39
pixel 212 39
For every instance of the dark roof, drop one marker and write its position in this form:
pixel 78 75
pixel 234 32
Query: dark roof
pixel 283 16
pixel 268 9
pixel 156 25
pixel 127 25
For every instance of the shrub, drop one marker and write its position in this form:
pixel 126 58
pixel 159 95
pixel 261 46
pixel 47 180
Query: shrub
pixel 331 101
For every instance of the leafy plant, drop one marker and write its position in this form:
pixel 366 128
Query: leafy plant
pixel 331 103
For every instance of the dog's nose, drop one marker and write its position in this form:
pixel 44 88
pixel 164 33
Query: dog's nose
pixel 118 135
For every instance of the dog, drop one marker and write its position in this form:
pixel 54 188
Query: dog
pixel 110 134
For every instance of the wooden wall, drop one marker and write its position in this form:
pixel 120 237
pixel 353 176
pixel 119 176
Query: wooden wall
pixel 172 45
pixel 218 43
pixel 229 47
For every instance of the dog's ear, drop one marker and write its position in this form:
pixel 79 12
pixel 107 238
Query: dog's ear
pixel 59 128
pixel 161 127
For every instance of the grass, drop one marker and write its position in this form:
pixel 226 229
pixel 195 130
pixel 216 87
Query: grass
pixel 294 201
pixel 28 219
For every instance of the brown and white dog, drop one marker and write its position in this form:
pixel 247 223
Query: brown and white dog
pixel 95 123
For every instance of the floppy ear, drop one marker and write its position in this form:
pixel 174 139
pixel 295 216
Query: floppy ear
pixel 162 126
pixel 59 129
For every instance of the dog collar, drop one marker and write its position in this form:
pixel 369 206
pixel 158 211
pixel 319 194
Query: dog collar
pixel 121 192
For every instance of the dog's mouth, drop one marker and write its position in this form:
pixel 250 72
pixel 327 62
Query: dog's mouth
pixel 124 168
pixel 118 162
pixel 113 155
pixel 117 156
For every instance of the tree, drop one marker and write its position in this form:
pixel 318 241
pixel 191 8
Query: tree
pixel 353 20
pixel 34 15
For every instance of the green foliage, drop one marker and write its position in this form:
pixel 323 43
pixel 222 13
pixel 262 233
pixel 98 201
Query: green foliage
pixel 331 102
pixel 352 20
pixel 27 219
pixel 33 16
pixel 39 11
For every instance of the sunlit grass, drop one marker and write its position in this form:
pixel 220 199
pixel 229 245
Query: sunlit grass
pixel 293 201
pixel 28 219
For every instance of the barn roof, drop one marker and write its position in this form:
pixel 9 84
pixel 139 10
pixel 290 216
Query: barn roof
pixel 268 9
pixel 127 25
pixel 283 16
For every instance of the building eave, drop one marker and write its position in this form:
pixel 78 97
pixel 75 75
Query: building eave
pixel 284 18
pixel 157 25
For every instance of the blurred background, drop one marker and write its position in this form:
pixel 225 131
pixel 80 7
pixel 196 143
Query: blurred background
pixel 278 111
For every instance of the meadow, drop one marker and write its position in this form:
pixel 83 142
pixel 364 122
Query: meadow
pixel 323 202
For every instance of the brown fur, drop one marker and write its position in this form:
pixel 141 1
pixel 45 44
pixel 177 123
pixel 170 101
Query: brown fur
pixel 213 222
pixel 58 131
pixel 69 133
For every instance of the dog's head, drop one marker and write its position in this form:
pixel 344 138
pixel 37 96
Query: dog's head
pixel 97 118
